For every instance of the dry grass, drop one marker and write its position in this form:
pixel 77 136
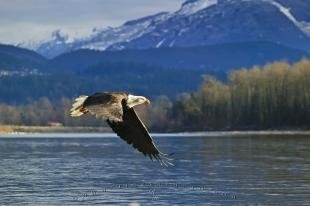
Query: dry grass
pixel 6 129
pixel 48 129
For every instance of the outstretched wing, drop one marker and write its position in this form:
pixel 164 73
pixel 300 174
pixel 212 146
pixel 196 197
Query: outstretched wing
pixel 133 131
pixel 105 105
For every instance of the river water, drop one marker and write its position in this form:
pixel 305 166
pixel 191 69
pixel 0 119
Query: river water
pixel 89 169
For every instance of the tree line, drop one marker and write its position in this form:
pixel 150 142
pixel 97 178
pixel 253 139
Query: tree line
pixel 274 96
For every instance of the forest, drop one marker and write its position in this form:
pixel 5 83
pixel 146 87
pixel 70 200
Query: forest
pixel 274 96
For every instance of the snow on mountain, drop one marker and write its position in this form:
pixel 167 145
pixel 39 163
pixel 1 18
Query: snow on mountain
pixel 192 6
pixel 56 44
pixel 100 39
pixel 199 22
pixel 302 25
pixel 223 22
pixel 125 33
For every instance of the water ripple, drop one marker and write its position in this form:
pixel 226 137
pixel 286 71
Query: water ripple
pixel 212 170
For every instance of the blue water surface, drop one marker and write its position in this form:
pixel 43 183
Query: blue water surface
pixel 85 169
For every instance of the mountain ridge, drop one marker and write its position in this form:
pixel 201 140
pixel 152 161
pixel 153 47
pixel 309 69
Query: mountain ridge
pixel 200 22
pixel 209 58
pixel 204 58
pixel 15 58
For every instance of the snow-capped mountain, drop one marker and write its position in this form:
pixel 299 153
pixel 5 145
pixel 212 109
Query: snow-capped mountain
pixel 201 22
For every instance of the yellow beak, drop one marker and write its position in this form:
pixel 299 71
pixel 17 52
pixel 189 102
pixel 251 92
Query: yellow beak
pixel 147 102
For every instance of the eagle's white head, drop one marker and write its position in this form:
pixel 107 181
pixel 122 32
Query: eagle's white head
pixel 136 100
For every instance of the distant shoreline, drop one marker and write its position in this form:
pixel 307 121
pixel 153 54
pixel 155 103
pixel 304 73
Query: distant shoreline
pixel 13 129
pixel 20 130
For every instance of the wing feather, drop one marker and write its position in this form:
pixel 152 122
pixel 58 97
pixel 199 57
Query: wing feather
pixel 134 132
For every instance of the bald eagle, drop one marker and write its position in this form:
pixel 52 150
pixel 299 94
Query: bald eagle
pixel 117 109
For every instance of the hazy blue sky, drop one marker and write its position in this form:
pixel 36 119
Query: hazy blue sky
pixel 24 20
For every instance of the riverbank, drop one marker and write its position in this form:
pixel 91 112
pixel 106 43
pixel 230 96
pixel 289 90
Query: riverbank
pixel 11 129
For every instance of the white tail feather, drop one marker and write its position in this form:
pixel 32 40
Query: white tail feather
pixel 76 106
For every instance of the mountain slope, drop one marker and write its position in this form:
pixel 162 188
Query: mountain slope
pixel 212 58
pixel 220 57
pixel 199 23
pixel 226 21
pixel 15 58
pixel 101 39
